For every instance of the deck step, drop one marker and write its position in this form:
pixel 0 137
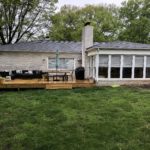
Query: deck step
pixel 83 85
pixel 58 86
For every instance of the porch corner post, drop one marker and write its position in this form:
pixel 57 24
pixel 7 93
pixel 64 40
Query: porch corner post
pixel 97 65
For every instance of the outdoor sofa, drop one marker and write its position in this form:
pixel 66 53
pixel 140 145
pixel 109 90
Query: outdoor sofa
pixel 4 74
pixel 22 74
pixel 25 74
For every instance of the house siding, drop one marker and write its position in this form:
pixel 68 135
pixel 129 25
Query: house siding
pixel 31 61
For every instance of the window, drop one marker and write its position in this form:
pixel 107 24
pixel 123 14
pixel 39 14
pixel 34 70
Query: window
pixel 148 67
pixel 115 66
pixel 127 66
pixel 63 63
pixel 103 66
pixel 138 70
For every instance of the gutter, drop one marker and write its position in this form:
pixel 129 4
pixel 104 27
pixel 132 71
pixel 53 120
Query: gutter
pixel 91 49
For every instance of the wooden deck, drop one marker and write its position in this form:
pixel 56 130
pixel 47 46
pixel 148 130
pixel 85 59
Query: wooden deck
pixel 39 84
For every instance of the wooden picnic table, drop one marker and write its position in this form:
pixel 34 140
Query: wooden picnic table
pixel 63 74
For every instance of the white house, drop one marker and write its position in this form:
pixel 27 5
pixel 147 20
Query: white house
pixel 106 62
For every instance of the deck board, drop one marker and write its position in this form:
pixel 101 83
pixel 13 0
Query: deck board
pixel 35 84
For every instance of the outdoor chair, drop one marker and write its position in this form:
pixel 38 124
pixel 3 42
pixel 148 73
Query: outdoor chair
pixel 70 74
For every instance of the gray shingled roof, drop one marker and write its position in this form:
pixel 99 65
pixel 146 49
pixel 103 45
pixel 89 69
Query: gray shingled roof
pixel 43 46
pixel 69 47
pixel 119 45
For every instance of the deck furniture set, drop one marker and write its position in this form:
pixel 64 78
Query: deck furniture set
pixel 36 74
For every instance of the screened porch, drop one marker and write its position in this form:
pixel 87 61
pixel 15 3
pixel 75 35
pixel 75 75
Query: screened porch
pixel 119 67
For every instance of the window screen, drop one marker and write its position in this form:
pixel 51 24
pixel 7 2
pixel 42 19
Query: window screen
pixel 148 67
pixel 91 62
pixel 138 72
pixel 148 72
pixel 127 72
pixel 127 66
pixel 148 62
pixel 103 60
pixel 103 72
pixel 103 66
pixel 127 61
pixel 115 72
pixel 115 61
pixel 139 61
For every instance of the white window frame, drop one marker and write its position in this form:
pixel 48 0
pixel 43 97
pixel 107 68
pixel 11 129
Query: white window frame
pixel 74 65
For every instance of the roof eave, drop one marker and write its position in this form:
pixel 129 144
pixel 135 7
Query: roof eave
pixel 95 48
pixel 39 52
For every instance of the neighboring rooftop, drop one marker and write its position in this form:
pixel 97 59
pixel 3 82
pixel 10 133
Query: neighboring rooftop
pixel 44 46
pixel 119 45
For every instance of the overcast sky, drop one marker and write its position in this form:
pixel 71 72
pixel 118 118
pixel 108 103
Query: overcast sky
pixel 84 2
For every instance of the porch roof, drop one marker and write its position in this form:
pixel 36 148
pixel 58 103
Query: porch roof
pixel 120 45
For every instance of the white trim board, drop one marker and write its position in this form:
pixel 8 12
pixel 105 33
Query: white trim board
pixel 121 52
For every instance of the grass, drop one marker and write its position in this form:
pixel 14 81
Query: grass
pixel 79 119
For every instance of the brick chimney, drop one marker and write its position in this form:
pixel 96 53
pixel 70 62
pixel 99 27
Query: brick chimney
pixel 87 41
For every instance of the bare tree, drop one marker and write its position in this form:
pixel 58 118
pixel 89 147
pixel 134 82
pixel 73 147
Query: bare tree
pixel 24 19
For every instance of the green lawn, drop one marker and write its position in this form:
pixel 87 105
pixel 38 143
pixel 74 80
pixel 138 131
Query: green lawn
pixel 79 119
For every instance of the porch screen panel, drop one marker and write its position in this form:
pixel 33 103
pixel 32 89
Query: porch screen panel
pixel 127 61
pixel 91 61
pixel 115 61
pixel 103 60
pixel 139 64
pixel 103 66
pixel 115 66
pixel 127 66
pixel 148 67
pixel 139 61
pixel 90 66
pixel 148 62
pixel 94 65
